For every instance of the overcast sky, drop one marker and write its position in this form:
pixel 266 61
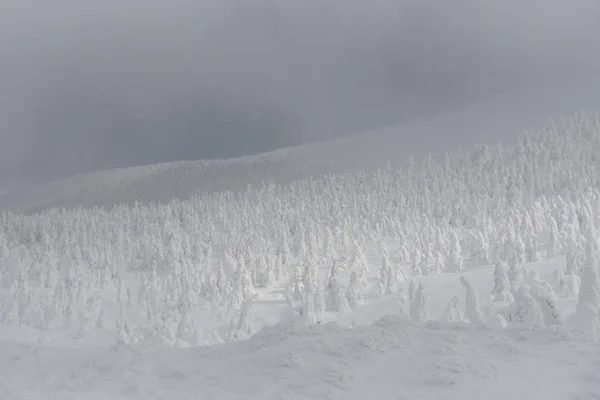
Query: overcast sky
pixel 87 85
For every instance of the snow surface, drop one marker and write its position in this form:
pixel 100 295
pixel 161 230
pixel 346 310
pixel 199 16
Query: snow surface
pixel 391 359
pixel 376 352
pixel 500 118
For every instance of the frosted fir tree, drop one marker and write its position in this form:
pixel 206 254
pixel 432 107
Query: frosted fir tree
pixel 418 307
pixel 346 242
pixel 244 325
pixel 533 279
pixel 309 277
pixel 243 287
pixel 312 246
pixel 296 286
pixel 383 279
pixel 294 294
pixel 265 273
pixel 417 261
pixel 411 291
pixel 454 259
pixel 554 244
pixel 68 317
pixel 285 254
pixel 353 294
pixel 496 318
pixel 37 319
pixel 510 250
pixel 25 301
pixel 308 309
pixel 531 249
pixel 277 267
pixel 429 254
pixel 588 305
pixel 124 318
pixel 515 277
pixel 525 310
pixel 453 314
pixel 527 224
pixel 187 334
pixel 312 301
pixel 83 324
pixel 335 294
pixel 288 295
pixel 521 250
pixel 501 290
pixel 574 256
pixel 588 229
pixel 359 261
pixel 319 302
pixel 301 246
pixel 472 311
pixel 329 251
pixel 220 281
pixel 404 254
pixel 553 316
pixel 387 276
pixel 439 262
pixel 122 336
pixel 481 251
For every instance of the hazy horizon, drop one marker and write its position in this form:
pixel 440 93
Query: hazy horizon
pixel 91 86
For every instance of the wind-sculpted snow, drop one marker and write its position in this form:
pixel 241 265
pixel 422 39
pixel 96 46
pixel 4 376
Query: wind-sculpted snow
pixel 496 119
pixel 392 359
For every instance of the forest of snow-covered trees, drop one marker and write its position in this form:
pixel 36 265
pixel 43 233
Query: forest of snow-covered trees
pixel 191 272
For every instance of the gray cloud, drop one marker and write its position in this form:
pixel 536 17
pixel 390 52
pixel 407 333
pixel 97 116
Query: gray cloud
pixel 94 85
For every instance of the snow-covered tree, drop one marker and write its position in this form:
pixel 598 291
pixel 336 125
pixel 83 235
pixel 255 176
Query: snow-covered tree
pixel 335 293
pixel 243 325
pixel 312 302
pixel 532 253
pixel 481 250
pixel 553 316
pixel 587 314
pixel 417 262
pixel 515 277
pixel 353 294
pixel 454 260
pixel 472 312
pixel 359 261
pixel 554 244
pixel 574 256
pixel 525 310
pixel 439 262
pixel 388 277
pixel 418 308
pixel 501 290
pixel 453 314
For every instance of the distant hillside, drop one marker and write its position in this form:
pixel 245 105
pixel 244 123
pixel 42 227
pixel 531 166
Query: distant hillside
pixel 500 118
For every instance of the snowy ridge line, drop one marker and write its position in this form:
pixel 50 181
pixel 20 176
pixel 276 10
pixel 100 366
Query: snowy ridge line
pixel 501 117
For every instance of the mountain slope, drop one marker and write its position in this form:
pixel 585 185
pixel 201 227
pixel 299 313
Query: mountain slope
pixel 499 118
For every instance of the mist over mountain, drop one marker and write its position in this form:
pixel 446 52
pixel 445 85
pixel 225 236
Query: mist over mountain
pixel 89 86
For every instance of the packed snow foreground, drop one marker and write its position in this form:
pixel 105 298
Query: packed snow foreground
pixel 473 278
